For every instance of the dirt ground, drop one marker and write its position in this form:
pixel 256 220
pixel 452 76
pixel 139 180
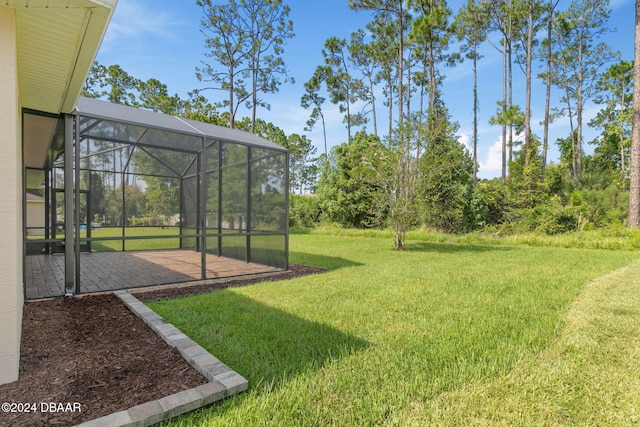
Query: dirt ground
pixel 89 356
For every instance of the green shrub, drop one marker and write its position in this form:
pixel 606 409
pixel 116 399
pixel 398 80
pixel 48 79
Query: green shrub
pixel 488 205
pixel 304 211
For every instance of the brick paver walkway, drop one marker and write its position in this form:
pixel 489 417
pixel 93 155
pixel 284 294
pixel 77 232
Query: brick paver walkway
pixel 107 271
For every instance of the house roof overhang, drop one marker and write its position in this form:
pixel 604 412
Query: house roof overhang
pixel 57 41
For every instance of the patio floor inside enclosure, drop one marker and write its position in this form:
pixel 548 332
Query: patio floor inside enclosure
pixel 119 197
pixel 109 271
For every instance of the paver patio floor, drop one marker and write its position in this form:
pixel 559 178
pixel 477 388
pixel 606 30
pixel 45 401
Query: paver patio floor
pixel 108 271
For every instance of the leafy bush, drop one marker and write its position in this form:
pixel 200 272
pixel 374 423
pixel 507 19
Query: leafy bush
pixel 304 211
pixel 598 198
pixel 347 193
pixel 556 220
pixel 487 205
pixel 446 176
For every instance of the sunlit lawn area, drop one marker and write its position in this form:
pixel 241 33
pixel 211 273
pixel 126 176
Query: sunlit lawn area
pixel 264 248
pixel 134 245
pixel 438 334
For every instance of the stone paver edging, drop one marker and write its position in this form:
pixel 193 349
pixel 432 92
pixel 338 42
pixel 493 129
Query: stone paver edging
pixel 223 381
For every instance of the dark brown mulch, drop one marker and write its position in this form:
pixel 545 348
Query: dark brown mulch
pixel 93 352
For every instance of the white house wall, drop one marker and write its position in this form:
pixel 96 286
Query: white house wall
pixel 35 217
pixel 11 293
pixel 46 50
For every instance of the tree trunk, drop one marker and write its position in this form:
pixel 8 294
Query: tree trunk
pixel 579 110
pixel 510 88
pixel 634 196
pixel 400 62
pixel 578 154
pixel 573 136
pixel 390 111
pixel 475 115
pixel 408 66
pixel 545 144
pixel 623 164
pixel 348 107
pixel 324 134
pixel 373 108
pixel 504 109
pixel 432 80
pixel 231 106
pixel 254 98
pixel 622 157
pixel 527 110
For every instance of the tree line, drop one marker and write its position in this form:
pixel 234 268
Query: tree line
pixel 408 169
pixel 427 177
pixel 403 53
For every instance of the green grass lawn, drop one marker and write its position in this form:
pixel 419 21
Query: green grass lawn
pixel 264 248
pixel 134 245
pixel 438 334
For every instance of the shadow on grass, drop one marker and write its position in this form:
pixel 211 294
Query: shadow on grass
pixel 321 261
pixel 452 248
pixel 266 345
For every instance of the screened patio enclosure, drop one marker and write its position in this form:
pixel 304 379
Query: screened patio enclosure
pixel 113 179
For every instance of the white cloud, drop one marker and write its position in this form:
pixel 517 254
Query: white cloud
pixel 491 165
pixel 465 140
pixel 615 4
pixel 133 20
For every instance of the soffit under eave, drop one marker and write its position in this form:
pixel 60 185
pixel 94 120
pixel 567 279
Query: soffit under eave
pixel 57 42
pixel 98 20
pixel 58 4
pixel 56 47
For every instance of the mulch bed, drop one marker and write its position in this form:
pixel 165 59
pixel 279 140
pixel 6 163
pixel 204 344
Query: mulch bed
pixel 295 270
pixel 86 357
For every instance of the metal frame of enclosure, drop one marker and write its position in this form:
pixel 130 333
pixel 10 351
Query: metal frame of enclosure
pixel 216 190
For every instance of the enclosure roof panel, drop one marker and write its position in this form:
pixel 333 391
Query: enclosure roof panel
pixel 95 108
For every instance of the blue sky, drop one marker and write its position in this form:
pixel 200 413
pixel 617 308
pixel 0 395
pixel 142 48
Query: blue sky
pixel 161 39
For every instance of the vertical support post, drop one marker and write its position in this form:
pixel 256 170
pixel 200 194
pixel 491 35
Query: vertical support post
pixel 69 256
pixel 76 198
pixel 54 206
pixel 286 207
pixel 23 193
pixel 47 206
pixel 248 244
pixel 89 213
pixel 182 209
pixel 220 158
pixel 87 165
pixel 198 205
pixel 124 207
pixel 202 179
